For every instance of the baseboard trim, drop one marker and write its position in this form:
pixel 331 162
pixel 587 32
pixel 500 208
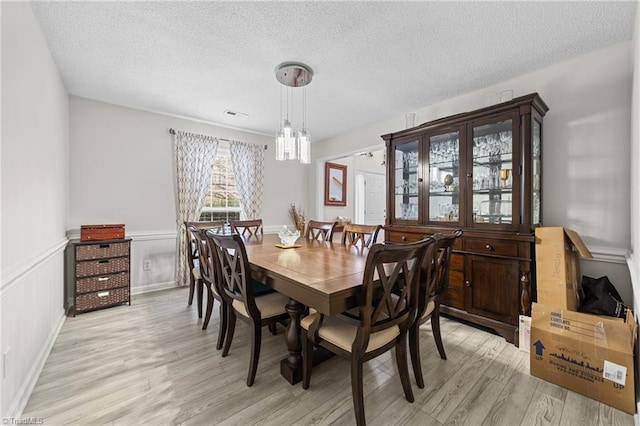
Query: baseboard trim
pixel 19 404
pixel 149 288
pixel 15 276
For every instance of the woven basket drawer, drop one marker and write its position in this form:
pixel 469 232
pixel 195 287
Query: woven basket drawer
pixel 87 285
pixel 100 267
pixel 102 298
pixel 99 251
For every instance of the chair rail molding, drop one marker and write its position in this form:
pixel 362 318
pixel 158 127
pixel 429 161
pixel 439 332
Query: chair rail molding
pixel 608 254
pixel 15 275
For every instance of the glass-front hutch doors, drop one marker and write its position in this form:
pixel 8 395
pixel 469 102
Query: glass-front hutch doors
pixel 444 177
pixel 406 169
pixel 495 173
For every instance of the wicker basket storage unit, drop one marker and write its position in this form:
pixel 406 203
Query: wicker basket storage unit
pixel 97 274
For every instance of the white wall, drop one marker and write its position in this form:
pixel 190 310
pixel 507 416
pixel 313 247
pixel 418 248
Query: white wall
pixel 34 203
pixel 121 171
pixel 634 261
pixel 586 173
pixel 355 163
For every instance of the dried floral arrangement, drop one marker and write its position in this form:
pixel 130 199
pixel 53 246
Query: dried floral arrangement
pixel 298 217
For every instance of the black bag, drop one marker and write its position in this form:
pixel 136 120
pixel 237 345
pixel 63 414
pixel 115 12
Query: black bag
pixel 601 298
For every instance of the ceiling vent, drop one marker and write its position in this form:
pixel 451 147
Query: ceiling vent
pixel 235 114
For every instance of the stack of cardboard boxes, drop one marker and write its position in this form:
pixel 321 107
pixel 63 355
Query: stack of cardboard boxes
pixel 588 354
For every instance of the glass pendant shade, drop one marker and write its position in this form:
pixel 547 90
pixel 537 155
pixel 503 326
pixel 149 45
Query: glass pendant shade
pixel 304 146
pixel 290 148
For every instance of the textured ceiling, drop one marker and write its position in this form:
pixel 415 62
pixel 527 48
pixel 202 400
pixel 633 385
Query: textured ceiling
pixel 372 60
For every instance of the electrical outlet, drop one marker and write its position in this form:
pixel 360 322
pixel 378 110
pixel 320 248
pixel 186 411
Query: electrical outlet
pixel 6 362
pixel 146 265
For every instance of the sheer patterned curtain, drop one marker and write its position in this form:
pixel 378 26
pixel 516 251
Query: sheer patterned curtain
pixel 248 169
pixel 194 155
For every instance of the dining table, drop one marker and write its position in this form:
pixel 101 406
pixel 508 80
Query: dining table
pixel 324 276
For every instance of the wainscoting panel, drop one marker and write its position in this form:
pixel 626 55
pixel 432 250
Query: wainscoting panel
pixel 32 314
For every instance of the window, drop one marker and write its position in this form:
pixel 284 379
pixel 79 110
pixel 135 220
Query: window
pixel 222 201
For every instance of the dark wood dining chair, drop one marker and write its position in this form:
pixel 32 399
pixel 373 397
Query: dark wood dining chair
pixel 433 288
pixel 209 275
pixel 379 323
pixel 195 279
pixel 322 231
pixel 237 290
pixel 363 235
pixel 247 228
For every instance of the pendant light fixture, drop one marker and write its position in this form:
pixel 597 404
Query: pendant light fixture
pixel 293 144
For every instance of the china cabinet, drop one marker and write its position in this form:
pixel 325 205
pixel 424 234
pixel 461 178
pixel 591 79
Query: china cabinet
pixel 479 171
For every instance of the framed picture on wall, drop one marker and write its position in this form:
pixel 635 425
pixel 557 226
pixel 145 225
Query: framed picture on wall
pixel 335 184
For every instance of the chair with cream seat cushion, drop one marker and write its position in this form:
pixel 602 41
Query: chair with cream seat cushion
pixel 236 287
pixel 247 228
pixel 379 323
pixel 208 274
pixel 195 277
pixel 433 288
pixel 322 231
pixel 363 235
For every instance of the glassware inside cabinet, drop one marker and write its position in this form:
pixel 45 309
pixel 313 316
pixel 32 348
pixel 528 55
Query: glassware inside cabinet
pixel 406 180
pixel 444 177
pixel 492 173
pixel 536 164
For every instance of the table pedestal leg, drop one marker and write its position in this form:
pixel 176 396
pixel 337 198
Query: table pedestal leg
pixel 291 366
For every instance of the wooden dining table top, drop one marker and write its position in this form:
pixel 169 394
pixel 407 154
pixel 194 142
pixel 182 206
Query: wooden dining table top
pixel 324 276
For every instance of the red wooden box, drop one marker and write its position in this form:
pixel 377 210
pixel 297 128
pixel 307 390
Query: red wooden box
pixel 101 232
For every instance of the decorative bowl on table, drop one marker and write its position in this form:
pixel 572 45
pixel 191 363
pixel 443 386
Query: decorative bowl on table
pixel 288 237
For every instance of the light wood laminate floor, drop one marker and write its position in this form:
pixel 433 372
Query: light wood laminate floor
pixel 151 364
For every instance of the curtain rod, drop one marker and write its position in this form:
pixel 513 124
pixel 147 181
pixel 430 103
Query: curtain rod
pixel 173 132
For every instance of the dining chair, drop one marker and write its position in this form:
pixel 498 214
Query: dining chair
pixel 247 228
pixel 210 278
pixel 379 323
pixel 432 289
pixel 365 235
pixel 237 290
pixel 195 280
pixel 322 231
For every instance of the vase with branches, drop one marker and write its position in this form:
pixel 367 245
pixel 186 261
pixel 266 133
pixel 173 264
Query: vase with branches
pixel 297 216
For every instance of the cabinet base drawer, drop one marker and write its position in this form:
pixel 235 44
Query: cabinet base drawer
pixel 103 250
pixel 88 268
pixel 88 285
pixel 85 302
pixel 500 248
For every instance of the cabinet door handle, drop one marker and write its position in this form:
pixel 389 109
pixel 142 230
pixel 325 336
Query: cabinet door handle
pixel 404 238
pixel 488 247
pixel 467 283
pixel 420 179
pixel 103 261
pixel 105 246
pixel 469 175
pixel 103 278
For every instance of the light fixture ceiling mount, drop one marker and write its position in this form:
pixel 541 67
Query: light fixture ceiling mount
pixel 294 74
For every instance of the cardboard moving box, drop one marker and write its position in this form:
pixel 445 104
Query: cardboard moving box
pixel 588 354
pixel 558 276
